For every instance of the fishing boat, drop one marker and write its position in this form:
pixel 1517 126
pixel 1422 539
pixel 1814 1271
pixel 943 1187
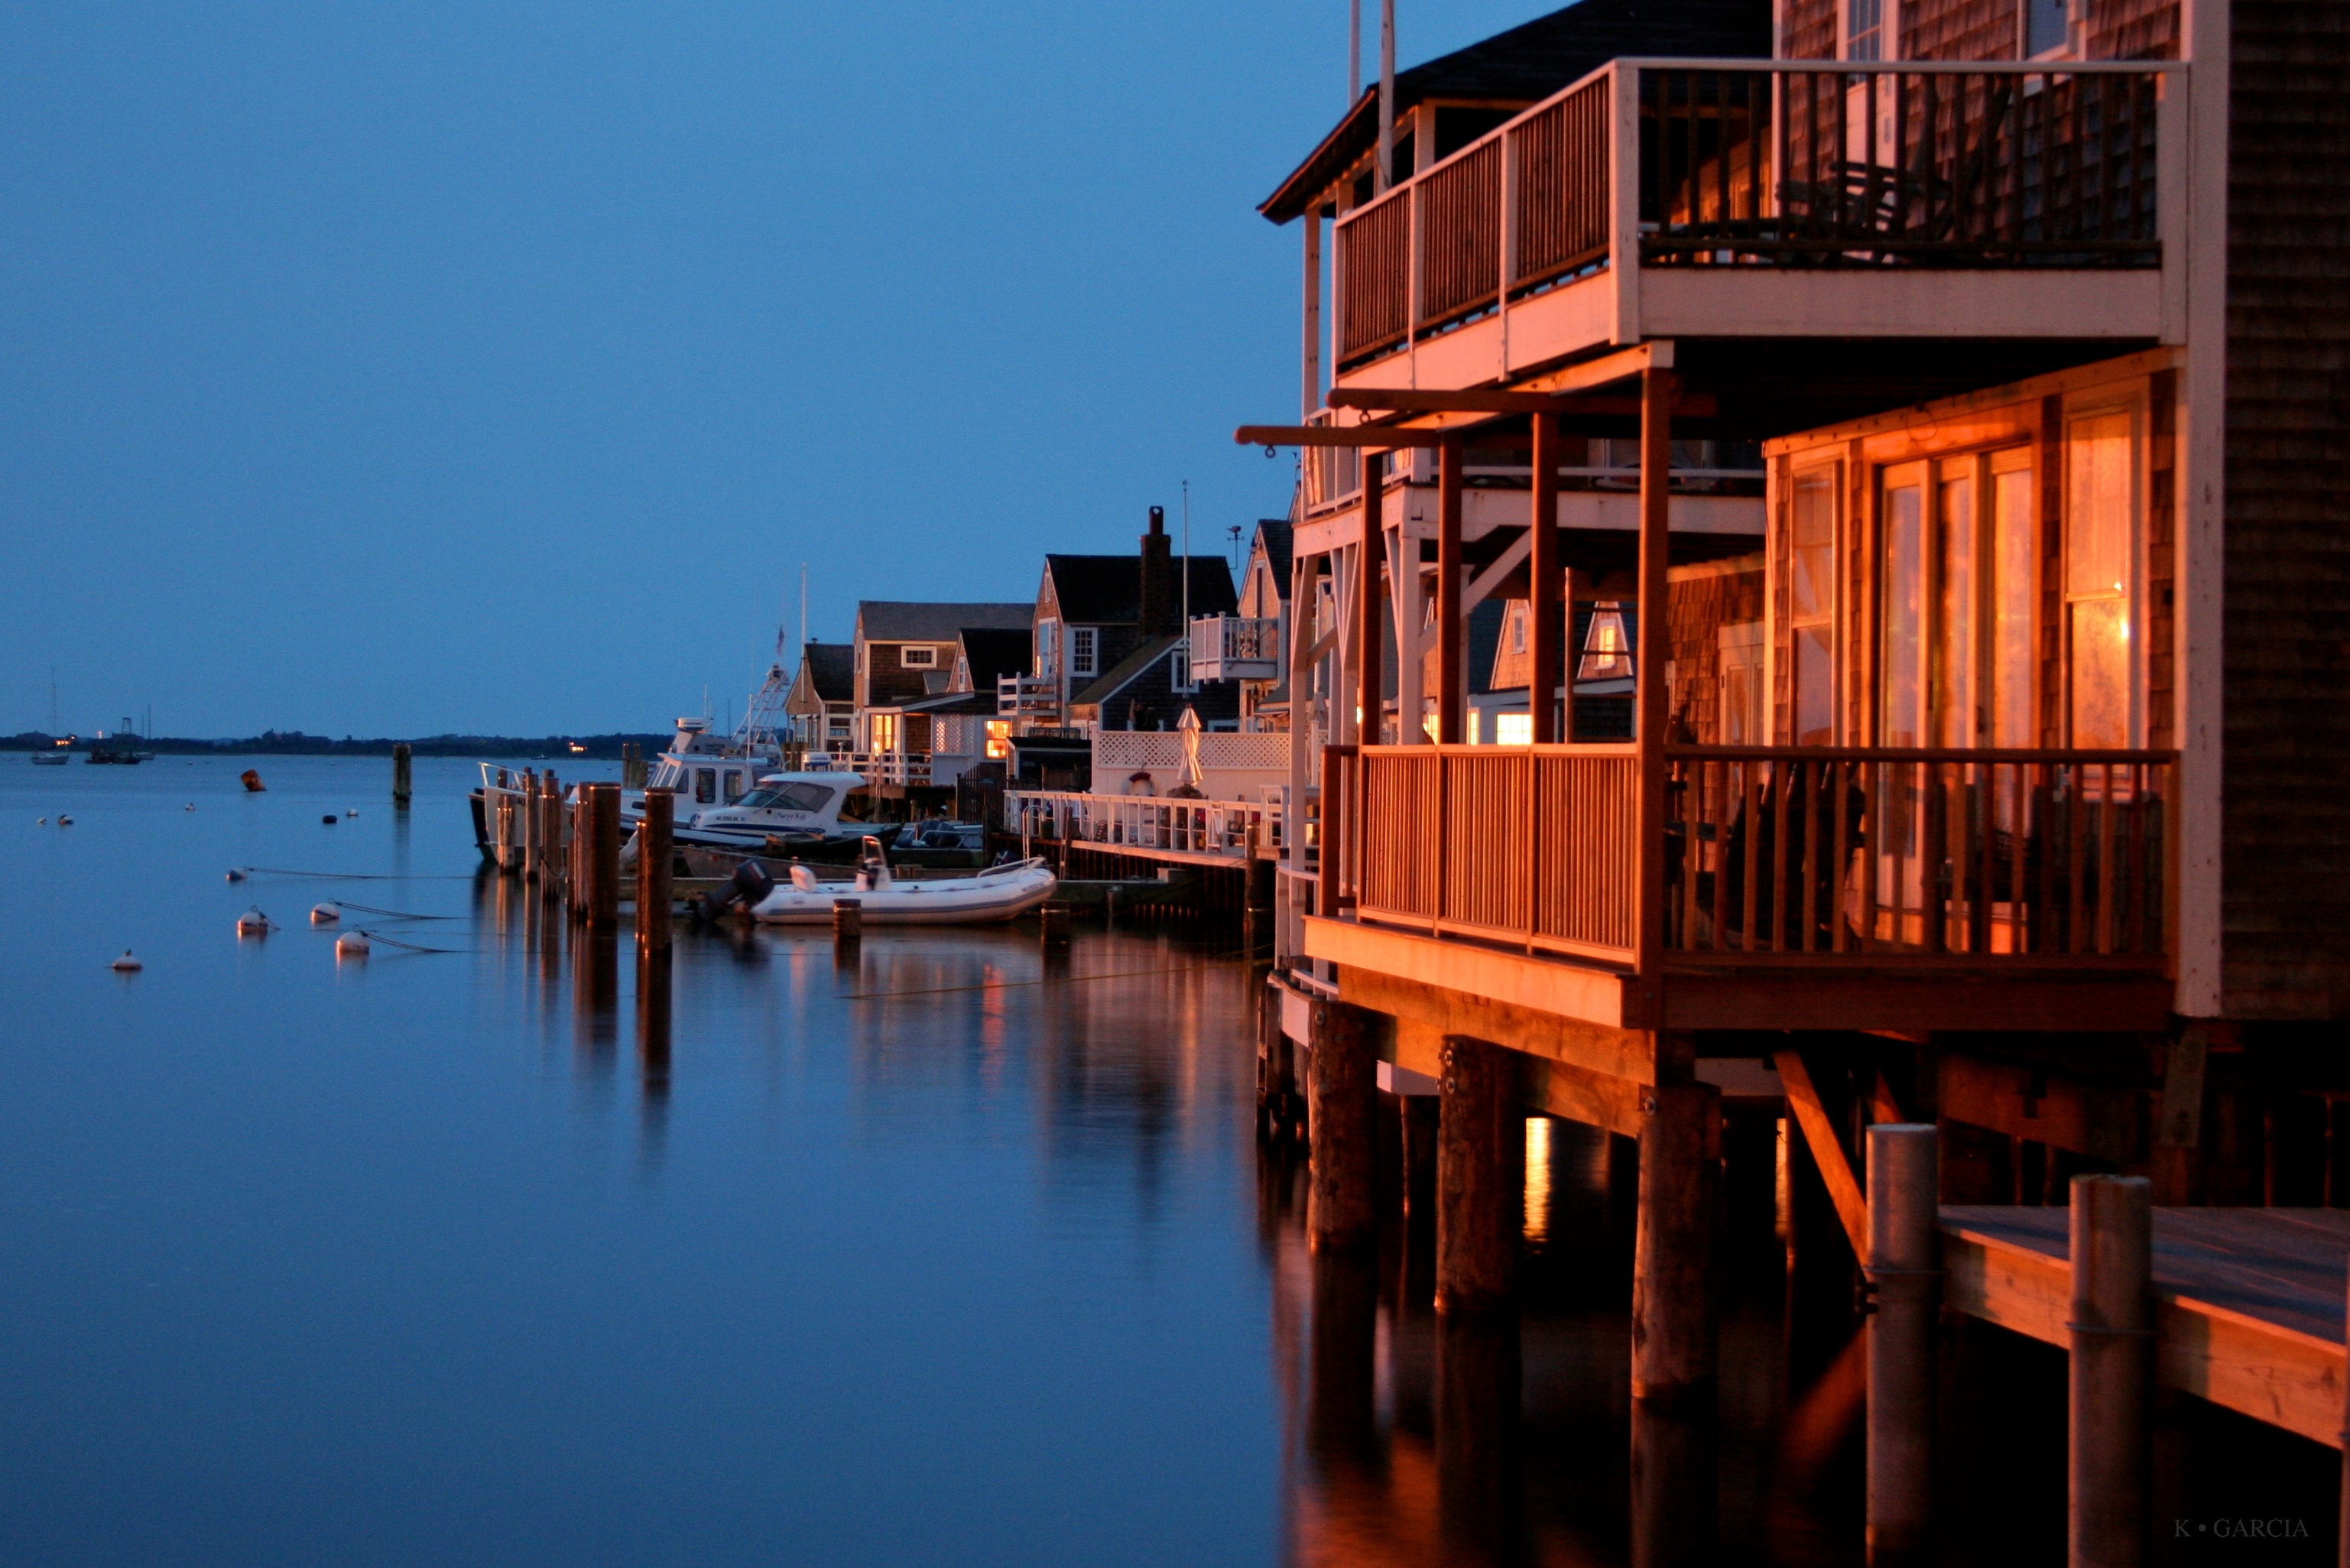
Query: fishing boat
pixel 997 894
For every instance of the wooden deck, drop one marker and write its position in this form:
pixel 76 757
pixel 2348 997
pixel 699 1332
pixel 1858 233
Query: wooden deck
pixel 2248 1302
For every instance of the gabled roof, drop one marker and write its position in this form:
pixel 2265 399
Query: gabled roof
pixel 1120 675
pixel 992 653
pixel 1106 590
pixel 1528 63
pixel 827 673
pixel 1274 535
pixel 905 620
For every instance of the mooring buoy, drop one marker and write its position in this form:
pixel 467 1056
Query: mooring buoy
pixel 126 964
pixel 351 944
pixel 252 923
pixel 325 914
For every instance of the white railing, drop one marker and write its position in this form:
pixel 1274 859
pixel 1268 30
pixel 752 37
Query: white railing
pixel 1224 828
pixel 879 767
pixel 1127 752
pixel 1235 648
pixel 1027 696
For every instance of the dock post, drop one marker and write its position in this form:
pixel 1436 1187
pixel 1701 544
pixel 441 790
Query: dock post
pixel 604 847
pixel 1480 1144
pixel 1904 1272
pixel 1054 918
pixel 1343 1087
pixel 847 922
pixel 402 777
pixel 1673 1341
pixel 2112 1370
pixel 656 847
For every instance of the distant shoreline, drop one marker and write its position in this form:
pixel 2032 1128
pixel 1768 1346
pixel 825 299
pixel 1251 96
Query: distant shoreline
pixel 294 743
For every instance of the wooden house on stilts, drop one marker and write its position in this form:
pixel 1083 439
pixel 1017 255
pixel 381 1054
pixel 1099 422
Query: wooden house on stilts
pixel 1942 402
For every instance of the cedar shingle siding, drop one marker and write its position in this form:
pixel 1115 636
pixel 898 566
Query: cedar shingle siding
pixel 2286 866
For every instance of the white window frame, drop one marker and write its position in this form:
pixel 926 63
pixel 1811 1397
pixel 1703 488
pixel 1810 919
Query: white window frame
pixel 918 656
pixel 1179 670
pixel 1085 645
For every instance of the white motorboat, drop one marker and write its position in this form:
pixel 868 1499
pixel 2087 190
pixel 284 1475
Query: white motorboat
pixel 999 893
pixel 796 805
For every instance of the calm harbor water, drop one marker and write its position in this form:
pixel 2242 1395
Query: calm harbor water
pixel 947 1253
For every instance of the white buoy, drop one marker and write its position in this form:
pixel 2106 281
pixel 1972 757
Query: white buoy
pixel 325 914
pixel 192 805
pixel 252 923
pixel 351 944
pixel 234 874
pixel 352 812
pixel 40 822
pixel 126 964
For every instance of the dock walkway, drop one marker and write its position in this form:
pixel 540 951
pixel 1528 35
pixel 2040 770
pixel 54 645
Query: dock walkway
pixel 2249 1302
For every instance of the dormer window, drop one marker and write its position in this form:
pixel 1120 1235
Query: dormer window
pixel 1082 644
pixel 916 656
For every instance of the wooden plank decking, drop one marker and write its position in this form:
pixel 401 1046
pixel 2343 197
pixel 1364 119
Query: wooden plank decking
pixel 2248 1302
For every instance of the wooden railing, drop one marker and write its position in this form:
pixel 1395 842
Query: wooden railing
pixel 1788 854
pixel 1535 845
pixel 1744 163
pixel 1225 828
pixel 1839 856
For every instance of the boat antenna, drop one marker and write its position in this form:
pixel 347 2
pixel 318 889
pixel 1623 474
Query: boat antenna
pixel 803 604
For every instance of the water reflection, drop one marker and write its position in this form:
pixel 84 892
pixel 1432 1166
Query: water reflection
pixel 653 1056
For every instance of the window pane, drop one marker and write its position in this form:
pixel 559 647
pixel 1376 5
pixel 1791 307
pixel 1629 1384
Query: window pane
pixel 2013 657
pixel 2098 530
pixel 1514 729
pixel 1904 578
pixel 2101 665
pixel 1815 546
pixel 1954 673
pixel 1815 687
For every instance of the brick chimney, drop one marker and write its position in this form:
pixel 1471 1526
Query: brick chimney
pixel 1162 600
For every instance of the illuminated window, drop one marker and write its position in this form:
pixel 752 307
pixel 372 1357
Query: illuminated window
pixel 999 738
pixel 1514 729
pixel 1811 612
pixel 2097 561
pixel 1606 650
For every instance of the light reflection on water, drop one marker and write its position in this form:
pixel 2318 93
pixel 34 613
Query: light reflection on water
pixel 936 1249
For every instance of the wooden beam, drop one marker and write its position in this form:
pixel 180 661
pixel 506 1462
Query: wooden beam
pixel 1370 600
pixel 1543 574
pixel 1819 1133
pixel 1451 691
pixel 1480 401
pixel 1622 365
pixel 1658 387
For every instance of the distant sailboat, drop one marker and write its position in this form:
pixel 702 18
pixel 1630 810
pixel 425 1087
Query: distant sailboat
pixel 61 746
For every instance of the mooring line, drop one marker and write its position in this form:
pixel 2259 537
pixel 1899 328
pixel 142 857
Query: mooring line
pixel 412 947
pixel 397 914
pixel 348 876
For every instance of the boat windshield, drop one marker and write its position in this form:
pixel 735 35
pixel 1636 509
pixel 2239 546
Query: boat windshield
pixel 790 796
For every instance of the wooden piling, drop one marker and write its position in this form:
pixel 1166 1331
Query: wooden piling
pixel 656 848
pixel 1480 1144
pixel 2112 1370
pixel 1055 919
pixel 604 851
pixel 848 921
pixel 1904 1272
pixel 1342 1085
pixel 402 774
pixel 1673 1339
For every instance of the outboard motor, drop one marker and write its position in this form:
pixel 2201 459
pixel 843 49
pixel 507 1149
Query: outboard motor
pixel 749 884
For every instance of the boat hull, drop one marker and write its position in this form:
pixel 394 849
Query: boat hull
pixel 988 898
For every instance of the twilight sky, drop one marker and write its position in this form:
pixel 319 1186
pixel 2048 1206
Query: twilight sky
pixel 399 368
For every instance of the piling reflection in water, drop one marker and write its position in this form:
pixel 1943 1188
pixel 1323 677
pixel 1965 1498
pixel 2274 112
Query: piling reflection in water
pixel 652 1053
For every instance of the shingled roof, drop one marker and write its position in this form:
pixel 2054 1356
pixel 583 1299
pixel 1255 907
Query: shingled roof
pixel 1106 590
pixel 905 620
pixel 1528 63
pixel 992 653
pixel 830 668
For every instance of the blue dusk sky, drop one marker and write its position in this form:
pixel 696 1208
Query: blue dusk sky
pixel 494 367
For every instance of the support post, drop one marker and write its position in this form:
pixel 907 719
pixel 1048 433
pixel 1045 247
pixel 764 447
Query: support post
pixel 1905 1277
pixel 1452 692
pixel 1656 391
pixel 402 776
pixel 656 847
pixel 1543 584
pixel 1673 1344
pixel 1343 1121
pixel 847 922
pixel 2112 1371
pixel 1481 1148
pixel 1370 599
pixel 604 856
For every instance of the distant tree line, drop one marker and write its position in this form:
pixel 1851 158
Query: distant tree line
pixel 294 742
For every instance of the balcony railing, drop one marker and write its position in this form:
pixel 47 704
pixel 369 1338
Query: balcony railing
pixel 879 767
pixel 1228 829
pixel 1235 648
pixel 1029 697
pixel 1786 857
pixel 1808 164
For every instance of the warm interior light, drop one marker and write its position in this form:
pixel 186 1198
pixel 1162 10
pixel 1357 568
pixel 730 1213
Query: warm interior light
pixel 1606 650
pixel 1514 729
